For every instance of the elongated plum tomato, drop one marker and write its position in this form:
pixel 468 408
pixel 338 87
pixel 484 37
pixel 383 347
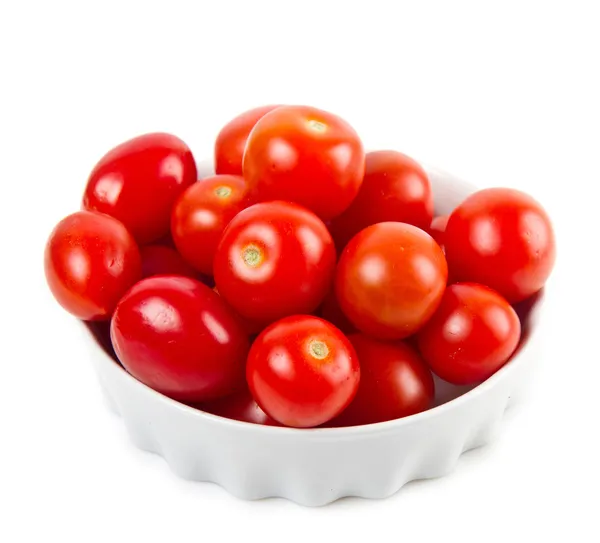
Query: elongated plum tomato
pixel 162 260
pixel 394 383
pixel 472 334
pixel 302 371
pixel 395 188
pixel 239 406
pixel 201 214
pixel 501 238
pixel 390 279
pixel 90 261
pixel 275 259
pixel 231 141
pixel 176 335
pixel 138 181
pixel 304 155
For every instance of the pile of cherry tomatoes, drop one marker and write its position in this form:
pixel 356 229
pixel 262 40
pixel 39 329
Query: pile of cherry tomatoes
pixel 307 283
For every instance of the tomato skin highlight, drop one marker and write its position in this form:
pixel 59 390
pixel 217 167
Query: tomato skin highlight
pixel 394 383
pixel 176 335
pixel 473 334
pixel 304 155
pixel 275 259
pixel 231 140
pixel 90 261
pixel 138 182
pixel 302 371
pixel 241 407
pixel 395 188
pixel 162 260
pixel 501 238
pixel 201 214
pixel 390 279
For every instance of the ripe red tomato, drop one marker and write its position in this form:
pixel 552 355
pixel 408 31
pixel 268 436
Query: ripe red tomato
pixel 251 327
pixel 231 141
pixel 240 406
pixel 302 371
pixel 394 383
pixel 390 279
pixel 138 182
pixel 90 261
pixel 201 214
pixel 472 334
pixel 501 238
pixel 275 259
pixel 395 188
pixel 176 335
pixel 331 311
pixel 305 155
pixel 437 229
pixel 162 260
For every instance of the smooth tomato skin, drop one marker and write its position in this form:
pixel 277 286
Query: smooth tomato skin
pixel 90 261
pixel 138 182
pixel 231 140
pixel 331 311
pixel 394 188
pixel 176 335
pixel 275 259
pixel 305 155
pixel 471 336
pixel 302 371
pixel 162 260
pixel 501 238
pixel 437 229
pixel 251 327
pixel 240 406
pixel 201 214
pixel 390 279
pixel 394 383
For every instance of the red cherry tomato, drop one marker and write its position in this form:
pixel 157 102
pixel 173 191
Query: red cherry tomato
pixel 201 214
pixel 395 188
pixel 437 229
pixel 305 155
pixel 138 182
pixel 501 238
pixel 90 262
pixel 331 311
pixel 472 334
pixel 231 141
pixel 162 260
pixel 240 406
pixel 390 279
pixel 302 371
pixel 176 335
pixel 250 326
pixel 275 259
pixel 394 383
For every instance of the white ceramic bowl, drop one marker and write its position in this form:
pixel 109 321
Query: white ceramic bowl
pixel 317 466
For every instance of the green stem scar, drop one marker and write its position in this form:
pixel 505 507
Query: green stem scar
pixel 223 192
pixel 318 349
pixel 252 256
pixel 317 126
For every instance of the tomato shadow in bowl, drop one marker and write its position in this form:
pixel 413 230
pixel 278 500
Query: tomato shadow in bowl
pixel 101 332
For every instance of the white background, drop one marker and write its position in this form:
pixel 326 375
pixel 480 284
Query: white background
pixel 500 93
